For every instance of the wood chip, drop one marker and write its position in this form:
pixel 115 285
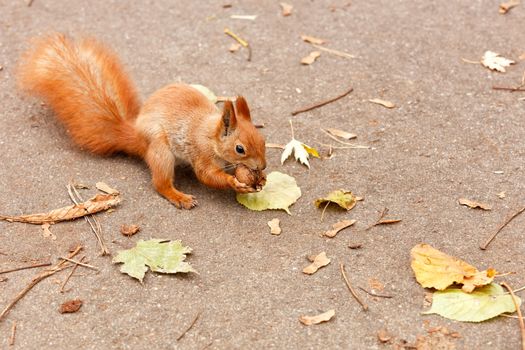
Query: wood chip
pixel 312 40
pixel 286 9
pixel 70 306
pixel 383 103
pixel 93 205
pixel 474 204
pixel 506 6
pixel 47 233
pixel 129 230
pixel 338 226
pixel 274 226
pixel 324 317
pixel 319 261
pixel 101 186
pixel 310 58
pixel 340 133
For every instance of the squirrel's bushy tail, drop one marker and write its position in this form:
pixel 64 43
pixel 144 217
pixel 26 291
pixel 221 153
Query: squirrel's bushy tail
pixel 86 86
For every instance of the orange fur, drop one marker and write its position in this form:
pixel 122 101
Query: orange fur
pixel 91 94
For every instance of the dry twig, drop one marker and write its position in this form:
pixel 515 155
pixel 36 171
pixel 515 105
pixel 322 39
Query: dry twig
pixel 43 275
pixel 520 316
pixel 190 326
pixel 25 268
pixel 13 334
pixel 333 52
pixel 322 103
pixel 81 263
pixel 505 223
pixel 352 291
pixel 508 88
pixel 374 294
pixel 69 276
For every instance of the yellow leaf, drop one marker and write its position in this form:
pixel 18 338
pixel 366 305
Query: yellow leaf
pixel 435 269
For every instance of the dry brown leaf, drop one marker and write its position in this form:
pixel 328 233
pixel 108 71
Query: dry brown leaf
pixel 495 61
pixel 473 204
pixel 340 133
pixel 338 226
pixel 310 58
pixel 234 47
pixel 383 103
pixel 93 205
pixel 319 261
pixel 376 284
pixel 47 233
pixel 129 230
pixel 274 226
pixel 324 317
pixel 506 6
pixel 312 40
pixel 383 336
pixel 101 186
pixel 70 306
pixel 286 9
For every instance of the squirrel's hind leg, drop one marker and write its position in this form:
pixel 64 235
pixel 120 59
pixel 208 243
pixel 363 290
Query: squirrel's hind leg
pixel 161 162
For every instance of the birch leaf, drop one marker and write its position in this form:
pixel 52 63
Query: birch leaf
pixel 156 254
pixel 482 304
pixel 345 199
pixel 494 61
pixel 297 148
pixel 280 192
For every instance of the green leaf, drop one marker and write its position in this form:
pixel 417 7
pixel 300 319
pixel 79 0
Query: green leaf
pixel 345 199
pixel 157 254
pixel 206 92
pixel 280 192
pixel 480 305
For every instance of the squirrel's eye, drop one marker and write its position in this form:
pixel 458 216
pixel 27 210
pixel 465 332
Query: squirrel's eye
pixel 239 149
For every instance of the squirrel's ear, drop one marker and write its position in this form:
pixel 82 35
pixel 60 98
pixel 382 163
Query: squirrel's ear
pixel 229 121
pixel 242 108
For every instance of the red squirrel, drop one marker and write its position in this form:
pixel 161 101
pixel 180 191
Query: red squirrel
pixel 86 86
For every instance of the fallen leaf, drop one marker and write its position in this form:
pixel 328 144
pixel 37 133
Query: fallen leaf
pixel 338 226
pixel 129 230
pixel 494 61
pixel 70 306
pixel 310 58
pixel 47 233
pixel 311 151
pixel 473 204
pixel 312 40
pixel 435 269
pixel 300 153
pixel 482 304
pixel 345 199
pixel 320 260
pixel 501 195
pixel 93 205
pixel 101 186
pixel 340 133
pixel 274 226
pixel 280 192
pixel 383 336
pixel 159 255
pixel 205 91
pixel 376 284
pixel 383 103
pixel 234 47
pixel 286 9
pixel 324 317
pixel 506 6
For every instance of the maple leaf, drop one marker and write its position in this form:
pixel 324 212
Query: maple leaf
pixel 494 61
pixel 157 254
pixel 299 151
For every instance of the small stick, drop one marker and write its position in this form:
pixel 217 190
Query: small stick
pixel 25 267
pixel 520 316
pixel 469 61
pixel 81 264
pixel 13 334
pixel 322 103
pixel 43 275
pixel 374 294
pixel 190 326
pixel 486 244
pixel 334 52
pixel 324 209
pixel 241 41
pixel 508 88
pixel 345 147
pixel 365 307
pixel 69 276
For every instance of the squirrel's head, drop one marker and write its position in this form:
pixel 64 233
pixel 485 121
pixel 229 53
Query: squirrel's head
pixel 239 141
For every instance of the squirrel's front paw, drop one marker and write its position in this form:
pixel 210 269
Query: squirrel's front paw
pixel 185 202
pixel 241 187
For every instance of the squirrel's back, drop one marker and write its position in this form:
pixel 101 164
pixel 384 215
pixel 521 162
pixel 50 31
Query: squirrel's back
pixel 89 91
